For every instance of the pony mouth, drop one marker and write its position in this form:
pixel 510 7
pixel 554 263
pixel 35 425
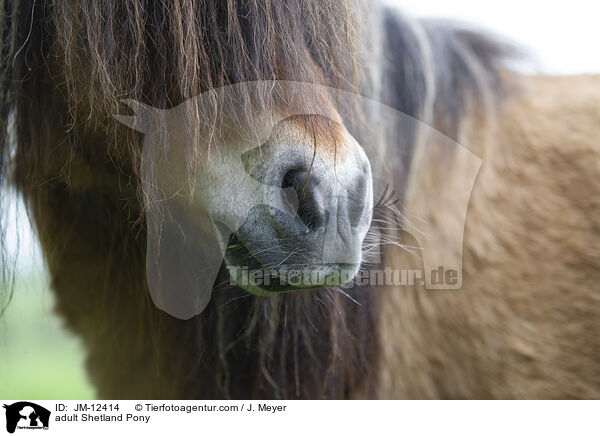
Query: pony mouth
pixel 251 274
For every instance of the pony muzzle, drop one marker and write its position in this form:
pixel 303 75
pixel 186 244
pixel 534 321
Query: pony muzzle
pixel 315 210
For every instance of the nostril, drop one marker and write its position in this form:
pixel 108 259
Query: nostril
pixel 302 197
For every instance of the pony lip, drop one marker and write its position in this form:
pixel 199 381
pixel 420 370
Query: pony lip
pixel 244 268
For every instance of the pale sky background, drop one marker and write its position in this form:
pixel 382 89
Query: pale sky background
pixel 563 36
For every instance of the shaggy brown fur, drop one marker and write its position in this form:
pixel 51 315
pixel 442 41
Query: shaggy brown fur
pixel 524 324
pixel 64 69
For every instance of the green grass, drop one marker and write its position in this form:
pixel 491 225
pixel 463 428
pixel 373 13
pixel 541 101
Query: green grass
pixel 38 358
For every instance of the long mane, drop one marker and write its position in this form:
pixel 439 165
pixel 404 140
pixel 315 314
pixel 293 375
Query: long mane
pixel 64 68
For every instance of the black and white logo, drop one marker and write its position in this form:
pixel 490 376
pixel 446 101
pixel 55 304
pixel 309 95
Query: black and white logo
pixel 26 415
